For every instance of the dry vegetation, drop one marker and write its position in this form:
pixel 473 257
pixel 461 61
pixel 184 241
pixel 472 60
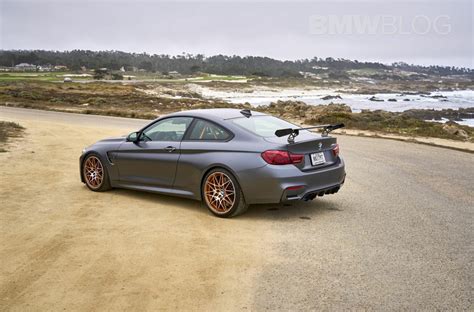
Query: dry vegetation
pixel 9 130
pixel 379 121
pixel 143 101
pixel 98 98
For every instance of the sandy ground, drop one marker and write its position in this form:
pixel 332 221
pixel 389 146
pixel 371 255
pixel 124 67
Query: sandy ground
pixel 398 236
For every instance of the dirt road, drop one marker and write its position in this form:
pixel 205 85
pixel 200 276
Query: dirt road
pixel 398 236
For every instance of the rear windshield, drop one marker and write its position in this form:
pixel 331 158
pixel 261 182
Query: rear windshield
pixel 264 126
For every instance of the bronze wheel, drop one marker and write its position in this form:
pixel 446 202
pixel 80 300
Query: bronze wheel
pixel 94 174
pixel 219 192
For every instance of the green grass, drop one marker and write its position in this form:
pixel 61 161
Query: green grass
pixel 365 72
pixel 223 77
pixel 36 76
pixel 58 77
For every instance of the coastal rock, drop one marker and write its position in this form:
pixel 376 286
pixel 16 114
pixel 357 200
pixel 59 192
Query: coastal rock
pixel 375 99
pixel 392 100
pixel 453 128
pixel 331 97
pixel 292 109
pixel 436 96
pixel 414 93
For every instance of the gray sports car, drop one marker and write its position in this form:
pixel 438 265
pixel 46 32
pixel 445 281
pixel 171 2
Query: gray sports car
pixel 227 158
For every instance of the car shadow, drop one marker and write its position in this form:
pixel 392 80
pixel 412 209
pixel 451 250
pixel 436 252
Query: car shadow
pixel 162 199
pixel 284 211
pixel 293 210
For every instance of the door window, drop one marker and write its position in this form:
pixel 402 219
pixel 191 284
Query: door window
pixel 169 129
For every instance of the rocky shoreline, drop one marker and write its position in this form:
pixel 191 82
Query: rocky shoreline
pixel 408 123
pixel 139 102
pixel 451 114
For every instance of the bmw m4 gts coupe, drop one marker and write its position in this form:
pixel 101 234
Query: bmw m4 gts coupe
pixel 226 158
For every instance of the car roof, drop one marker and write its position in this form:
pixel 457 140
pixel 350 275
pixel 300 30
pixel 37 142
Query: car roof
pixel 215 113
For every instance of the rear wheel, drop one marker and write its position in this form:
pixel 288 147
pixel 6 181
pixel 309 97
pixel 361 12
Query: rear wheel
pixel 222 194
pixel 95 174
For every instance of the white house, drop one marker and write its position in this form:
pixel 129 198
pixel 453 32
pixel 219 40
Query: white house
pixel 25 67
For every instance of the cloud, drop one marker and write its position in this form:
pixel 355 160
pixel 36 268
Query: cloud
pixel 404 30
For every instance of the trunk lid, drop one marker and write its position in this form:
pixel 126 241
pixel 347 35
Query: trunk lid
pixel 307 143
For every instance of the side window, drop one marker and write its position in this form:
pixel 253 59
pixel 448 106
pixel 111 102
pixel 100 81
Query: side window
pixel 169 129
pixel 205 130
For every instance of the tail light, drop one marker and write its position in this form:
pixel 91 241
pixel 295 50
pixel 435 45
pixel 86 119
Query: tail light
pixel 335 150
pixel 281 157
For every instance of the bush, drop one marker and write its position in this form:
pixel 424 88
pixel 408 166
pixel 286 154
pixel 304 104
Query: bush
pixel 117 77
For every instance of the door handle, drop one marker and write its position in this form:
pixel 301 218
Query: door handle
pixel 170 149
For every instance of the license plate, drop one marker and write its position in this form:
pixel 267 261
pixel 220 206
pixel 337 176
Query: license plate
pixel 317 159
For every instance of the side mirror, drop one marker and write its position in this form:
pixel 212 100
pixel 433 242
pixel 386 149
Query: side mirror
pixel 133 137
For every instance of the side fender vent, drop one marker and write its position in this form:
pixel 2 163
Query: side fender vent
pixel 110 157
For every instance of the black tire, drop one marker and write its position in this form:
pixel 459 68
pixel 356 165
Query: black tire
pixel 211 199
pixel 90 176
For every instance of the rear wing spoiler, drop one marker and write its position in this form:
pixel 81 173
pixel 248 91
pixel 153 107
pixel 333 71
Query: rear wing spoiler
pixel 293 133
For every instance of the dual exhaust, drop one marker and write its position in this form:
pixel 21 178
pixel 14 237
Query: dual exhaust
pixel 321 193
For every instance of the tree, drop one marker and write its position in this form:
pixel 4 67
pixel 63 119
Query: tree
pixel 99 74
pixel 217 64
pixel 195 68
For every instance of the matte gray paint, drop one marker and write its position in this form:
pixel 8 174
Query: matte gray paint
pixel 149 166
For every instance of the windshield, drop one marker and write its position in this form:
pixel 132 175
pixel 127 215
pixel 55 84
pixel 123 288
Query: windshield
pixel 264 126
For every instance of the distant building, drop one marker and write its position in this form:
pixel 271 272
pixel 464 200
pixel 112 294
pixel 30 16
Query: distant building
pixel 45 68
pixel 320 67
pixel 173 73
pixel 60 67
pixel 309 75
pixel 25 67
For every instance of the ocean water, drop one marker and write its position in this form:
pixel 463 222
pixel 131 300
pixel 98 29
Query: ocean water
pixel 454 99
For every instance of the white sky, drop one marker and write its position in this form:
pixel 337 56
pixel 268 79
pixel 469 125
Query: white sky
pixel 420 32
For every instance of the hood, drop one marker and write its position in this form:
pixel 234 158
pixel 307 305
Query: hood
pixel 113 139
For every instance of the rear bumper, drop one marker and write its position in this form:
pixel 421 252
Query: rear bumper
pixel 312 194
pixel 274 184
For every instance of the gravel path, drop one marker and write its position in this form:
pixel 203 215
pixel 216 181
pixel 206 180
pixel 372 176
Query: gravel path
pixel 398 236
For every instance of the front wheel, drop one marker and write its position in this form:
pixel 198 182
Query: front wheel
pixel 95 174
pixel 222 194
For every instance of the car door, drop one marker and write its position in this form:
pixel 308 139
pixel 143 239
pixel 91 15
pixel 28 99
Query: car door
pixel 204 144
pixel 152 160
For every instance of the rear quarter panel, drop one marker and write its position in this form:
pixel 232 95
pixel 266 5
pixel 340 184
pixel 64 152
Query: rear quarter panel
pixel 198 157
